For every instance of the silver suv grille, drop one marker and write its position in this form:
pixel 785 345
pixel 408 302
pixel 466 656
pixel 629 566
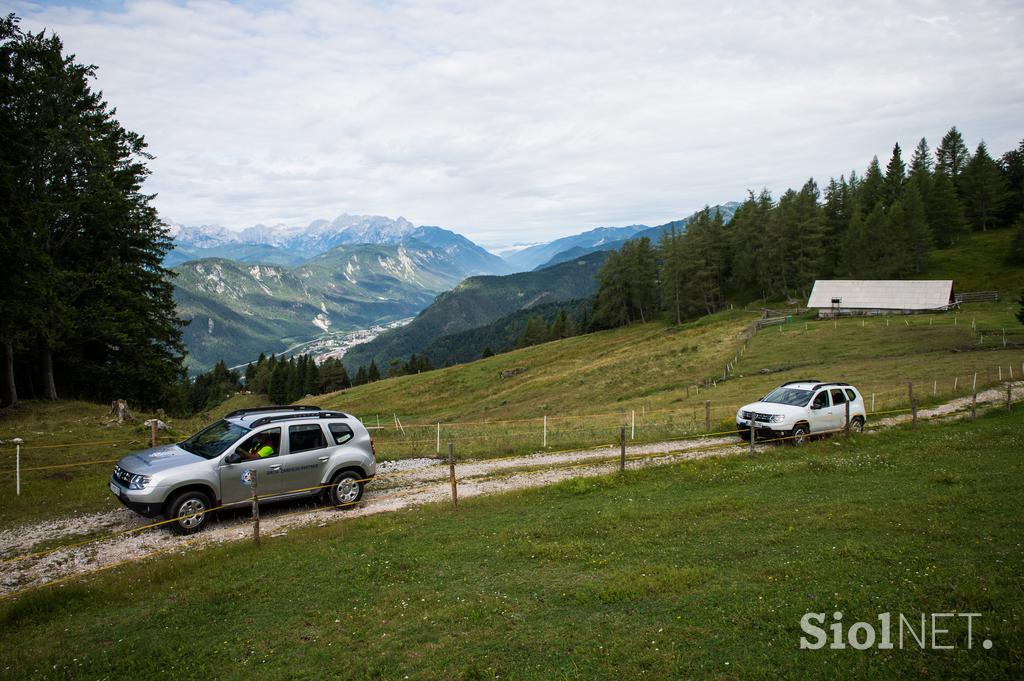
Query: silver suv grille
pixel 122 476
pixel 763 418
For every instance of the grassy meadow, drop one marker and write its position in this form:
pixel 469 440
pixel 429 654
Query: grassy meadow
pixel 650 376
pixel 692 569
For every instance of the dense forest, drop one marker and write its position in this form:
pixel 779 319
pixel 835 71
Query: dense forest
pixel 87 310
pixel 881 225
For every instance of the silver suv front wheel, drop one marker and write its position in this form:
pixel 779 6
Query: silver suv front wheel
pixel 189 511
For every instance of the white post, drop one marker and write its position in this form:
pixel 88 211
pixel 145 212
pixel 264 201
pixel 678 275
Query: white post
pixel 1000 372
pixel 17 465
pixel 632 427
pixel 872 402
pixel 956 379
pixel 545 430
pixel 1004 338
pixel 438 437
pixel 1011 371
pixel 935 388
pixel 974 385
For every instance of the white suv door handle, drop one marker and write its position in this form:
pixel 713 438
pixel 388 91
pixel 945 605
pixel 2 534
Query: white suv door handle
pixel 275 468
pixel 324 458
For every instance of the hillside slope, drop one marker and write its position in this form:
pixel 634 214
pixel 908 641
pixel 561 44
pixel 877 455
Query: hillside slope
pixel 238 310
pixel 478 301
pixel 656 367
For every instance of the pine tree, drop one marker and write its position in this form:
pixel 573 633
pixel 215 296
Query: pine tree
pixel 872 189
pixel 612 302
pixel 915 237
pixel 278 390
pixel 944 211
pixel 837 210
pixel 983 190
pixel 952 156
pixel 487 352
pixel 921 163
pixel 916 231
pixel 1013 173
pixel 895 176
pixel 535 332
pixel 672 268
pixel 373 373
pixel 1015 256
pixel 361 376
pixel 84 289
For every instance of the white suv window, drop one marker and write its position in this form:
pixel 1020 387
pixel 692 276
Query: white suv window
pixel 838 397
pixel 820 400
pixel 852 395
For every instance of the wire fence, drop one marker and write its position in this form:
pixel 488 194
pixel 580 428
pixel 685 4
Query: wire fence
pixel 596 461
pixel 495 438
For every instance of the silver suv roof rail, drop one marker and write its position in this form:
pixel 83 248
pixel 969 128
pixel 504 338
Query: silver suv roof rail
pixel 257 410
pixel 805 380
pixel 289 417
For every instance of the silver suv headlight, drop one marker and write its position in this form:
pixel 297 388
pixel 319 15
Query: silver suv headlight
pixel 778 418
pixel 139 482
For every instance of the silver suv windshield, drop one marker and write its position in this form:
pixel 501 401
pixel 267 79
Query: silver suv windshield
pixel 213 440
pixel 790 396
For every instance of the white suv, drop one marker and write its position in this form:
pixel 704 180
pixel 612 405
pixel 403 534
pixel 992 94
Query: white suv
pixel 798 409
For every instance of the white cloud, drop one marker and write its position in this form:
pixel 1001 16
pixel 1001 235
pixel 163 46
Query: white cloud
pixel 529 120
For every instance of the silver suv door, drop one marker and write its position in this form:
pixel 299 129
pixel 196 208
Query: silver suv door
pixel 306 456
pixel 267 469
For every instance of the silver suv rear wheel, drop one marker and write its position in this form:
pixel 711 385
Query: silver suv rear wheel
pixel 346 488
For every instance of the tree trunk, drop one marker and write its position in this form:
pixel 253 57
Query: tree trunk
pixel 12 388
pixel 49 387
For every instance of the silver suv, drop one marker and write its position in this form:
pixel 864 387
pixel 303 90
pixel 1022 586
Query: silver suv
pixel 291 451
pixel 799 409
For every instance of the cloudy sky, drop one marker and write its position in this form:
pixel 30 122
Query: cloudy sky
pixel 523 120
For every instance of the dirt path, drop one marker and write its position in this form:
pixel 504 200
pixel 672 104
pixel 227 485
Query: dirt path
pixel 399 484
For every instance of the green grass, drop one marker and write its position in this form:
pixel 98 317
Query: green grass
pixel 699 569
pixel 978 263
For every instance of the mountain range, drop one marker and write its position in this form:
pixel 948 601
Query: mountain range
pixel 274 288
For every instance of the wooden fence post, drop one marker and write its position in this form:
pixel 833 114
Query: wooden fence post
pixel 451 474
pixel 707 416
pixel 17 465
pixel 622 448
pixel 913 404
pixel 847 426
pixel 753 433
pixel 974 406
pixel 255 511
pixel 545 431
pixel 1009 396
pixel 632 426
